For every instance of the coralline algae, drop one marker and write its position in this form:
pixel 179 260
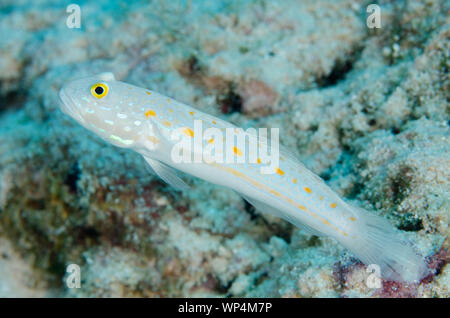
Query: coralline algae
pixel 365 109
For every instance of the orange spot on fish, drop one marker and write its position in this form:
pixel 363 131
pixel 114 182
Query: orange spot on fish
pixel 280 172
pixel 167 123
pixel 333 205
pixel 308 190
pixel 148 93
pixel 294 181
pixel 258 160
pixel 149 113
pixel 191 113
pixel 237 151
pixel 353 219
pixel 275 193
pixel 188 132
pixel 153 139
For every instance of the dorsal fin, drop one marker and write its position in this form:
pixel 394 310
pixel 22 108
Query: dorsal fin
pixel 106 76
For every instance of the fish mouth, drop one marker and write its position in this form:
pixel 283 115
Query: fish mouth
pixel 67 105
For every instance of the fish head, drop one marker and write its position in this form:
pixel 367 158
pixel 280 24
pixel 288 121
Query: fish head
pixel 104 105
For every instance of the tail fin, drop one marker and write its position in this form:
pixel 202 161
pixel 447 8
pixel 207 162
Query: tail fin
pixel 377 243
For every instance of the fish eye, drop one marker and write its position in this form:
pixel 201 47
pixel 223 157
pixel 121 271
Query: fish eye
pixel 99 90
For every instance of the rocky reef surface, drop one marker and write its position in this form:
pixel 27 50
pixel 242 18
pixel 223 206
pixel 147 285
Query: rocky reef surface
pixel 366 109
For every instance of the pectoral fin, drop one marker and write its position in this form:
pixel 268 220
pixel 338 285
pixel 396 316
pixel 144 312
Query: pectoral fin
pixel 166 173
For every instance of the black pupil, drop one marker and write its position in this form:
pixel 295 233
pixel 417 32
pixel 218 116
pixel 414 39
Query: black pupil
pixel 99 90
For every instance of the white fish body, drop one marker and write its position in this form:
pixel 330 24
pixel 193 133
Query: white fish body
pixel 152 125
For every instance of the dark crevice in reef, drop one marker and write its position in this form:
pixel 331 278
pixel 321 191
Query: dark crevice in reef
pixel 87 233
pixel 223 289
pixel 227 97
pixel 395 130
pixel 355 191
pixel 372 122
pixel 326 176
pixel 12 100
pixel 250 209
pixel 340 69
pixel 230 102
pixel 277 230
pixel 194 65
pixel 411 224
pixel 192 69
pixel 400 184
pixel 343 135
pixel 72 178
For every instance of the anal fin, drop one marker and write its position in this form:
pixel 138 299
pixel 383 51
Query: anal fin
pixel 263 207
